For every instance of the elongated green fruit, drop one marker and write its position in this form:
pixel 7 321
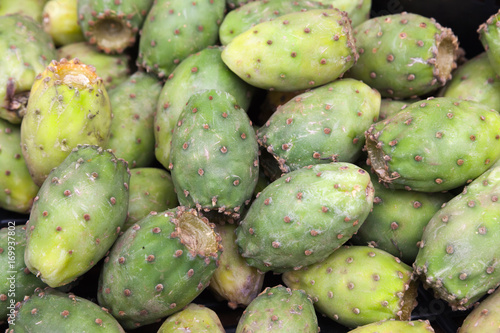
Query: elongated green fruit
pixel 392 325
pixel 60 21
pixel 485 317
pixel 194 318
pixel 31 8
pixel 489 35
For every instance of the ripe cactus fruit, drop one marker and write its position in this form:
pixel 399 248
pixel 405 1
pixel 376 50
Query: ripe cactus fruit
pixel 434 145
pixel 173 255
pixel 279 309
pixel 404 55
pixel 26 50
pixel 323 125
pixel 50 310
pixel 17 189
pixel 392 325
pixel 112 25
pixel 68 106
pixel 339 286
pixel 489 35
pixel 77 215
pixel 234 280
pixel 150 190
pixel 305 215
pixel 485 317
pixel 60 21
pixel 195 73
pixel 194 318
pixel 131 134
pixel 314 47
pixel 214 156
pixel 459 256
pixel 174 29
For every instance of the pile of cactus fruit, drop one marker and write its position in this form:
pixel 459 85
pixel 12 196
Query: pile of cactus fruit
pixel 246 166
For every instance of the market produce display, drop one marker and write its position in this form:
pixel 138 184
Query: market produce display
pixel 248 166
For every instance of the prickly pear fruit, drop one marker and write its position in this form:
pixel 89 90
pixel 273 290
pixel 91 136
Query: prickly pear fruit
pixel 26 50
pixel 199 71
pixel 50 310
pixel 489 35
pixel 214 156
pixel 112 25
pixel 434 145
pixel 358 285
pixel 60 21
pixel 194 318
pixel 31 8
pixel 302 217
pixel 17 189
pixel 314 47
pixel 358 10
pixel 404 55
pixel 389 107
pixel 68 106
pixel 173 255
pixel 17 281
pixel 77 215
pixel 323 125
pixel 150 190
pixel 459 256
pixel 279 309
pixel 134 104
pixel 392 325
pixel 485 317
pixel 234 280
pixel 174 29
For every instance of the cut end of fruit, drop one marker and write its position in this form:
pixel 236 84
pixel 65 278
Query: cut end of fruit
pixel 446 56
pixel 74 73
pixel 112 35
pixel 197 235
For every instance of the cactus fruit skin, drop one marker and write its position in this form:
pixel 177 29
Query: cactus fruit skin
pixel 112 26
pixel 315 47
pixel 31 8
pixel 323 125
pixel 404 55
pixel 279 309
pixel 304 216
pixel 50 310
pixel 194 318
pixel 174 29
pixel 68 106
pixel 389 107
pixel 60 21
pixel 133 103
pixel 475 80
pixel 172 255
pixel 489 35
pixel 26 51
pixel 459 256
pixel 434 145
pixel 17 189
pixel 150 190
pixel 484 317
pixel 77 215
pixel 214 159
pixel 16 280
pixel 234 280
pixel 199 71
pixel 340 284
pixel 391 325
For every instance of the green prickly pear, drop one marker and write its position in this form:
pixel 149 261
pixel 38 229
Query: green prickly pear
pixel 77 215
pixel 392 325
pixel 314 47
pixel 434 145
pixel 389 107
pixel 194 318
pixel 485 317
pixel 358 285
pixel 173 255
pixel 68 106
pixel 31 8
pixel 489 35
pixel 60 21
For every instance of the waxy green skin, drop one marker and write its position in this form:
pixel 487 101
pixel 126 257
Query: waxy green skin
pixel 389 107
pixel 26 50
pixel 358 285
pixel 323 125
pixel 174 29
pixel 17 189
pixel 459 256
pixel 404 55
pixel 485 317
pixel 133 103
pixel 391 325
pixel 489 35
pixel 60 21
pixel 13 243
pixel 31 8
pixel 304 216
pixel 314 47
pixel 77 215
pixel 279 309
pixel 152 271
pixel 194 318
pixel 214 159
pixel 199 71
pixel 111 25
pixel 434 145
pixel 475 80
pixel 151 189
pixel 50 310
